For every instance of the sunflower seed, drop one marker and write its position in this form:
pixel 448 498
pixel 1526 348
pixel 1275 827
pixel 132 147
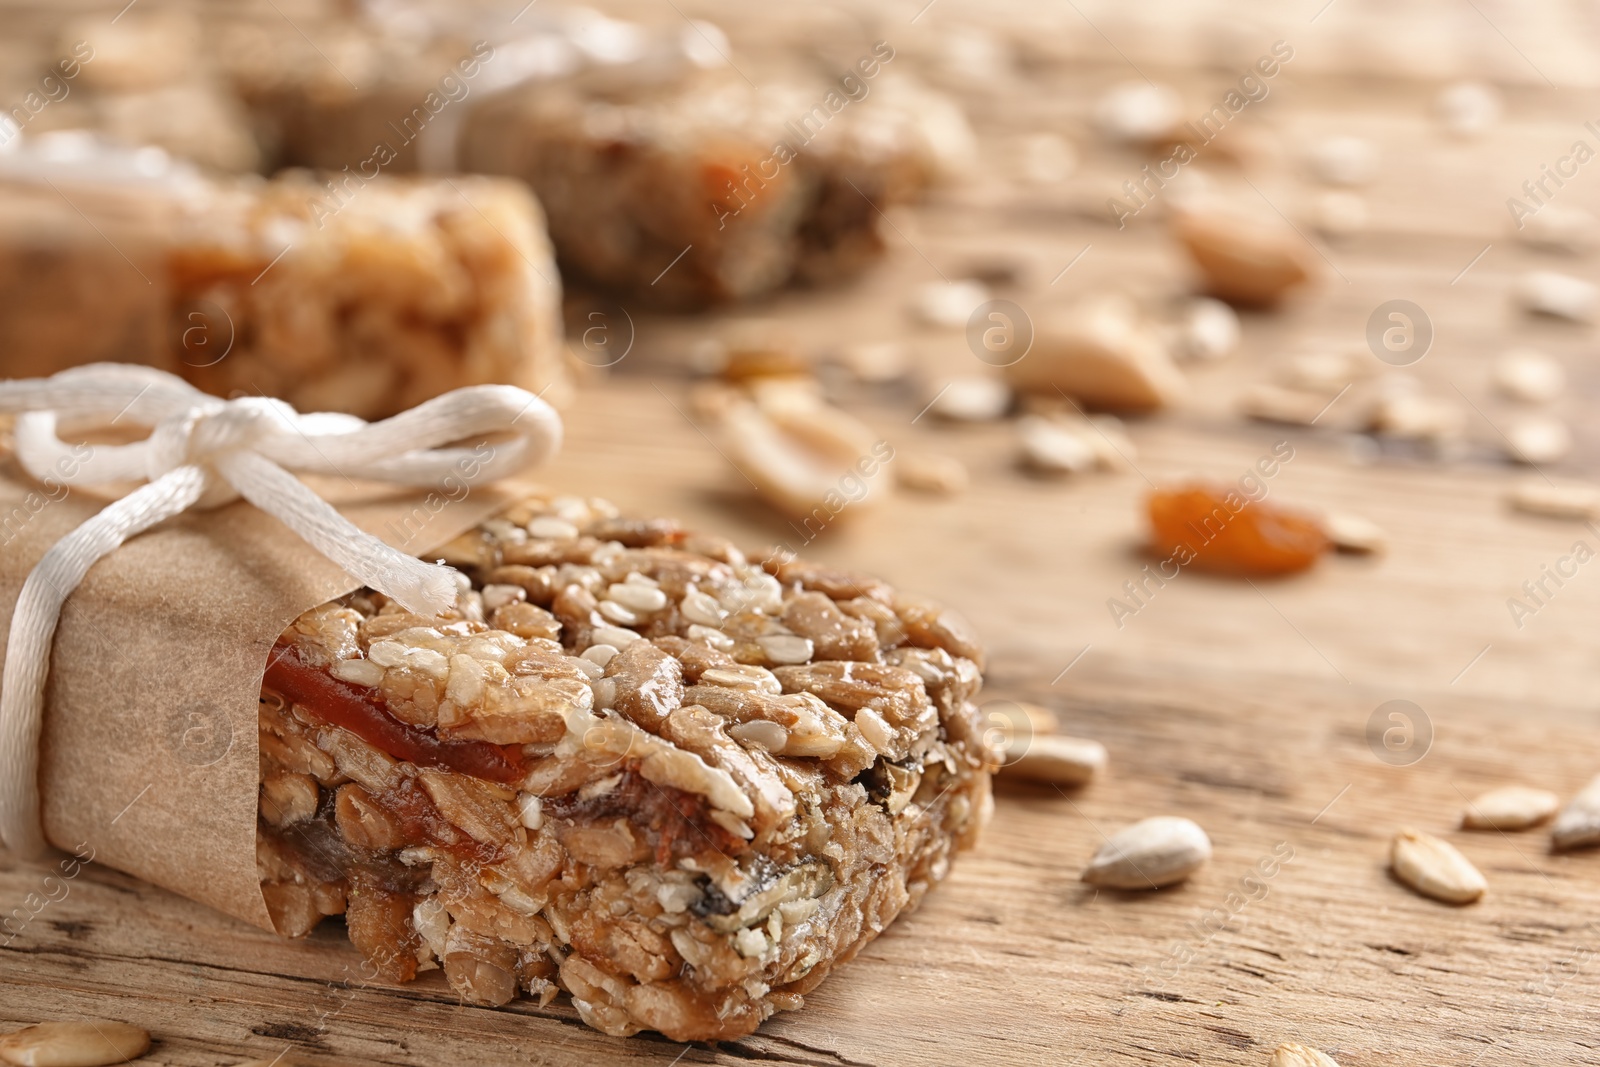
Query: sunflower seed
pixel 1210 329
pixel 1559 229
pixel 948 304
pixel 971 398
pixel 1511 807
pixel 1578 825
pixel 1054 759
pixel 1547 292
pixel 1467 109
pixel 1138 112
pixel 1434 868
pixel 79 1043
pixel 1561 500
pixel 1538 439
pixel 929 473
pixel 1353 534
pixel 1290 1054
pixel 1051 448
pixel 1343 161
pixel 1149 854
pixel 1529 375
pixel 1274 403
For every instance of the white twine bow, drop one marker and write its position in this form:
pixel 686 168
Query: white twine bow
pixel 204 452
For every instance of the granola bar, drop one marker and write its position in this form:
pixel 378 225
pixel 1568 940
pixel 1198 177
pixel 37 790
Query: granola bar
pixel 646 149
pixel 632 764
pixel 359 295
pixel 754 188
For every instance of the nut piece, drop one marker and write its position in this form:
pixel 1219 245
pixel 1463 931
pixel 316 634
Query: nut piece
pixel 1353 534
pixel 1243 259
pixel 1529 375
pixel 1149 854
pixel 1054 759
pixel 1538 439
pixel 1100 352
pixel 1290 1054
pixel 1434 868
pixel 1578 825
pixel 1547 292
pixel 1512 807
pixel 931 473
pixel 1561 500
pixel 79 1043
pixel 801 455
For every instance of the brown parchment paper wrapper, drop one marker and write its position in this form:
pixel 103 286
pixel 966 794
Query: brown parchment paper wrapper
pixel 149 752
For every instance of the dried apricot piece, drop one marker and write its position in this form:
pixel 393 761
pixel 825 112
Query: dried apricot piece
pixel 1219 529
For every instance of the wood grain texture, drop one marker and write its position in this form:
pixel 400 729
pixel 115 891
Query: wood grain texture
pixel 1247 708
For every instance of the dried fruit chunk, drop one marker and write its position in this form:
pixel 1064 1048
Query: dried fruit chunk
pixel 1152 853
pixel 1435 868
pixel 79 1043
pixel 1219 530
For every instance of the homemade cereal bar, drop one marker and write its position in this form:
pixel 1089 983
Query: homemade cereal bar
pixel 632 765
pixel 753 188
pixel 365 296
pixel 666 175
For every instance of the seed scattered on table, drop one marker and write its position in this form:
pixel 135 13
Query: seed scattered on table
pixel 1511 807
pixel 973 399
pixel 931 473
pixel 1537 439
pixel 75 1043
pixel 1274 403
pixel 1561 296
pixel 1353 534
pixel 1053 759
pixel 1528 375
pixel 1558 500
pixel 1435 868
pixel 1290 1054
pixel 1578 825
pixel 1049 447
pixel 1152 853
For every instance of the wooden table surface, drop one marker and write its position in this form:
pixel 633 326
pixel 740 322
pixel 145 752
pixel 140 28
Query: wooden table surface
pixel 1248 707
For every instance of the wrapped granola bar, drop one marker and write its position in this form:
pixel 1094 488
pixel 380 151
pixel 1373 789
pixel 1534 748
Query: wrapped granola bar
pixel 357 295
pixel 620 760
pixel 633 765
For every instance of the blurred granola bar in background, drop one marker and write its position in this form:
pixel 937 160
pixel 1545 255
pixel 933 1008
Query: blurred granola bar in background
pixel 366 297
pixel 665 172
